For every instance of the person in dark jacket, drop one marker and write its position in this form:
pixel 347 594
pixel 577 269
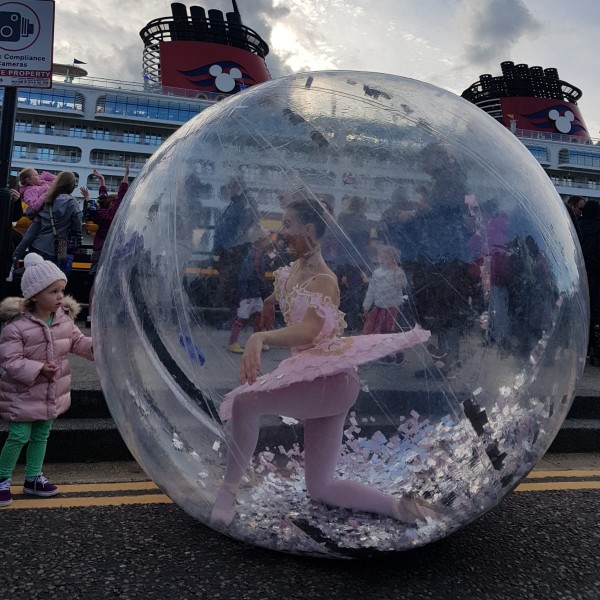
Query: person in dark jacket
pixel 103 217
pixel 231 241
pixel 590 246
pixel 575 205
pixel 441 282
pixel 250 281
pixel 353 259
pixel 60 217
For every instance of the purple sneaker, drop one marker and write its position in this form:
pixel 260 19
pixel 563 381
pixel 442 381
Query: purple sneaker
pixel 40 486
pixel 5 497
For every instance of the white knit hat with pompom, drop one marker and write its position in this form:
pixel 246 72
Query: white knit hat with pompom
pixel 38 275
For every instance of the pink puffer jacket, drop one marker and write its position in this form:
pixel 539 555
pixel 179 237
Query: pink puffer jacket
pixel 26 343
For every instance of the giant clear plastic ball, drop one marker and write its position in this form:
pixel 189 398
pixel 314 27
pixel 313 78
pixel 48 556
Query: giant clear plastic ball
pixel 492 269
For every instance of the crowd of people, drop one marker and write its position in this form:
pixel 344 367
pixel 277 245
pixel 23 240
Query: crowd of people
pixel 56 216
pixel 437 256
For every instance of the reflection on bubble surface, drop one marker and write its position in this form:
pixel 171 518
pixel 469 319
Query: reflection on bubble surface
pixel 407 175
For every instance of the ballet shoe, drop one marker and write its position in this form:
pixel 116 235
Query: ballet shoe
pixel 411 508
pixel 223 511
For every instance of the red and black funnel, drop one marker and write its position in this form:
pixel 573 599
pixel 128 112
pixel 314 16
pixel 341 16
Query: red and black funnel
pixel 530 98
pixel 205 53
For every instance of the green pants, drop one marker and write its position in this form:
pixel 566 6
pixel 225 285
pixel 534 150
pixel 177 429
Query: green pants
pixel 36 433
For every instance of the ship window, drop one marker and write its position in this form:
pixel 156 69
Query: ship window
pixel 144 108
pixel 112 182
pixel 583 159
pixel 44 154
pixel 52 98
pixel 77 131
pixel 153 139
pixel 100 133
pixel 19 151
pixel 23 125
pixel 131 137
pixel 540 152
pixel 99 157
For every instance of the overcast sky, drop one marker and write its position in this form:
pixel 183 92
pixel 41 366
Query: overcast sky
pixel 448 43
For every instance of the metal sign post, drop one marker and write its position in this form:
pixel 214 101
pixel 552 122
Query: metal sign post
pixel 7 128
pixel 26 44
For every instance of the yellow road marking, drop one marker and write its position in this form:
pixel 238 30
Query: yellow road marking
pixel 573 473
pixel 108 487
pixel 87 502
pixel 558 485
pixel 159 498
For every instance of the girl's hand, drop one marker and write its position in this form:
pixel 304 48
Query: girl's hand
pixel 85 193
pixel 49 371
pixel 99 176
pixel 250 365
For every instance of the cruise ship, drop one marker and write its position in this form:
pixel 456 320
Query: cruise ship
pixel 84 123
pixel 541 110
pixel 191 61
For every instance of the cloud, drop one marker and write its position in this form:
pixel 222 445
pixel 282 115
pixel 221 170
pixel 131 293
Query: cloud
pixel 491 28
pixel 264 18
pixel 105 33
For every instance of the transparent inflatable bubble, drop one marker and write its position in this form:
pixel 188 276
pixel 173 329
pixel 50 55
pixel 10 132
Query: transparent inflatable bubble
pixel 436 219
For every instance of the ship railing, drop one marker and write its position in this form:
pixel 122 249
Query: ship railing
pixel 117 162
pixel 571 183
pixel 100 136
pixel 50 157
pixel 177 28
pixel 45 157
pixel 556 137
pixel 148 87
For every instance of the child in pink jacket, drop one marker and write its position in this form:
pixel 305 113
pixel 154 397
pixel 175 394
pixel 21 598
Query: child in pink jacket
pixel 35 386
pixel 33 187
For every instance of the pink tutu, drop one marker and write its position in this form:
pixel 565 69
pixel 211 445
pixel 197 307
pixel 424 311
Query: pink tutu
pixel 328 357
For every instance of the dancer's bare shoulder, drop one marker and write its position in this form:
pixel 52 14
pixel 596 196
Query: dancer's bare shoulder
pixel 325 283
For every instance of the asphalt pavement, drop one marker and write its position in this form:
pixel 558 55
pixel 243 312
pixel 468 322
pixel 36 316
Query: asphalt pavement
pixel 537 545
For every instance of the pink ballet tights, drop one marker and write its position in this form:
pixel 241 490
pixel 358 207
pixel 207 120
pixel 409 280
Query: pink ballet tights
pixel 323 405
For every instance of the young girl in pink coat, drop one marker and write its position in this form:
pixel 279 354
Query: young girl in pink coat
pixel 35 386
pixel 33 187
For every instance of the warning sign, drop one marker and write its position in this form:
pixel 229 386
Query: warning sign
pixel 26 43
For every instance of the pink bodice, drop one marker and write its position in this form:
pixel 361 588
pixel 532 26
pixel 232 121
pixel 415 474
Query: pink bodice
pixel 295 302
pixel 330 353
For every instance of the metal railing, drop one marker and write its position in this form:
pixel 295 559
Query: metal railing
pixel 115 85
pixel 117 162
pixel 125 138
pixel 46 158
pixel 556 137
pixel 590 185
